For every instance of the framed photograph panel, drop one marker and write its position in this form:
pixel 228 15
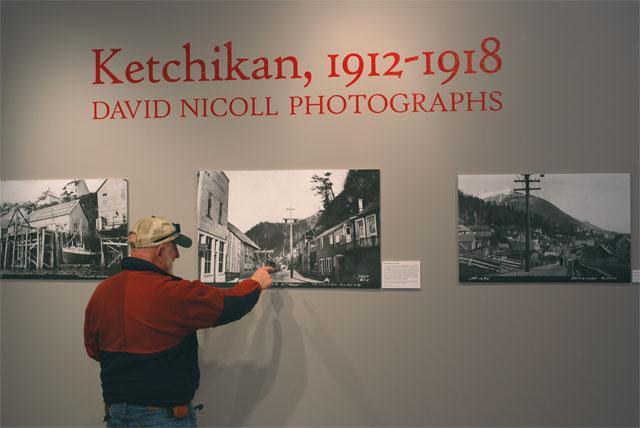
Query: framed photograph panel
pixel 318 229
pixel 72 229
pixel 544 228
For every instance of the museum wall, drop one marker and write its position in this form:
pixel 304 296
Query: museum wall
pixel 445 355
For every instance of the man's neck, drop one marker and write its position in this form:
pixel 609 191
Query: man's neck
pixel 140 264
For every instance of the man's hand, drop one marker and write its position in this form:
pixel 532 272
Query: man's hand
pixel 262 276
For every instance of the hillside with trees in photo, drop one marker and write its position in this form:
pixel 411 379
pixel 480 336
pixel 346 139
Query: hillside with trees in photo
pixel 508 210
pixel 359 185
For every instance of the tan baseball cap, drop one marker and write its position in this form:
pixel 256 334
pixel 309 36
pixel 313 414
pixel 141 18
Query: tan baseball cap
pixel 152 231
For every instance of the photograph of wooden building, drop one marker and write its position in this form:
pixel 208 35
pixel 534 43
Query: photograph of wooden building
pixel 346 253
pixel 74 189
pixel 319 229
pixel 544 228
pixel 66 217
pixel 213 205
pixel 52 229
pixel 112 204
pixel 112 220
pixel 242 256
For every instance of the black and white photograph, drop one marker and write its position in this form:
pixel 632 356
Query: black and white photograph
pixel 63 229
pixel 317 229
pixel 544 228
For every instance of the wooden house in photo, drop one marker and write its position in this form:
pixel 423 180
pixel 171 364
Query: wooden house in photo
pixel 74 189
pixel 348 252
pixel 213 232
pixel 242 259
pixel 47 237
pixel 65 217
pixel 466 238
pixel 70 222
pixel 112 204
pixel 306 252
pixel 111 217
pixel 474 241
pixel 12 223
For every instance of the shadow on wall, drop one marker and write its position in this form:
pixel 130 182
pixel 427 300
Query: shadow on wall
pixel 341 369
pixel 231 392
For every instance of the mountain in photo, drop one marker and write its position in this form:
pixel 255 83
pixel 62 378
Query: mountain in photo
pixel 361 187
pixel 495 197
pixel 275 236
pixel 538 207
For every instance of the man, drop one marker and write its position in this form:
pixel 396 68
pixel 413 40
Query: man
pixel 141 326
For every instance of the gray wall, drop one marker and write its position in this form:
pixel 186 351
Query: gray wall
pixel 447 355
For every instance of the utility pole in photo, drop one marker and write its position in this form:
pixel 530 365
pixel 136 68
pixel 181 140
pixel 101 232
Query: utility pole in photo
pixel 527 189
pixel 290 220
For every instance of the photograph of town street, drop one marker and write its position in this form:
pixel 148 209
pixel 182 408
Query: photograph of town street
pixel 544 228
pixel 318 229
pixel 63 229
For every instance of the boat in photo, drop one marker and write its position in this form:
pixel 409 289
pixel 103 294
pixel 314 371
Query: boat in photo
pixel 79 256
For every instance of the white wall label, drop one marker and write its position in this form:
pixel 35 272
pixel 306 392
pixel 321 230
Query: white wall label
pixel 636 276
pixel 401 275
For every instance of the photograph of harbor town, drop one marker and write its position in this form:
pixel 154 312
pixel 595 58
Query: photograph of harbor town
pixel 62 229
pixel 544 228
pixel 318 229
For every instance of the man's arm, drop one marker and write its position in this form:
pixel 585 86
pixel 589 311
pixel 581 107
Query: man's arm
pixel 90 337
pixel 235 307
pixel 191 305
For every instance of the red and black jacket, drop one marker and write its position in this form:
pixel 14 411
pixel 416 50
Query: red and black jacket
pixel 141 325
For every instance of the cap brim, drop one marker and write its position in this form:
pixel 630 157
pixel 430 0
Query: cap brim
pixel 183 241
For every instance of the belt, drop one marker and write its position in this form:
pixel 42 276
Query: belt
pixel 177 412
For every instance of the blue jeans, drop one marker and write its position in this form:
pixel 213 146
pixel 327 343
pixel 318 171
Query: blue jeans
pixel 125 415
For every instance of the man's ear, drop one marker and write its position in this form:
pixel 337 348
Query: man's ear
pixel 159 252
